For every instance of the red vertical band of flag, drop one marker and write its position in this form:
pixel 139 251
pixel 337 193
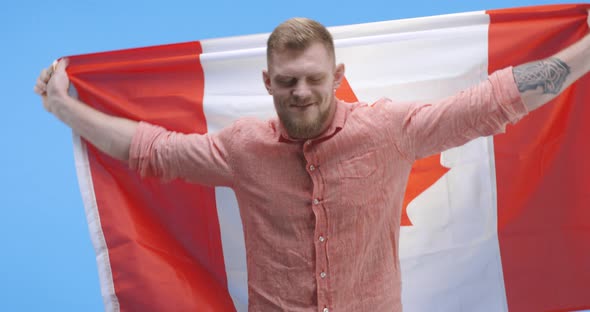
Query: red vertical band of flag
pixel 543 169
pixel 163 240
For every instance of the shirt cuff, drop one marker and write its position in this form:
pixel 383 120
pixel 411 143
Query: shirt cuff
pixel 140 147
pixel 507 95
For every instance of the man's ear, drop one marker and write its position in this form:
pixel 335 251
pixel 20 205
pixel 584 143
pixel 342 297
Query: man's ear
pixel 266 79
pixel 338 75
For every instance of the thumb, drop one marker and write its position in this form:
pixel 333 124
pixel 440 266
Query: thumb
pixel 61 65
pixel 59 81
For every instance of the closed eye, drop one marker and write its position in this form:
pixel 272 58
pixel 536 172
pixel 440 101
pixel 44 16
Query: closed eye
pixel 316 79
pixel 286 82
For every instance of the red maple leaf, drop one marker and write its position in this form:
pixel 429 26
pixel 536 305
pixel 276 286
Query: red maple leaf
pixel 425 172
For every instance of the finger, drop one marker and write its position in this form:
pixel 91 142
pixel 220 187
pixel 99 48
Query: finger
pixel 39 90
pixel 61 65
pixel 54 66
pixel 45 75
pixel 48 72
pixel 41 85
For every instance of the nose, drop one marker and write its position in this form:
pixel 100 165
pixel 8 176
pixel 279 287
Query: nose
pixel 301 90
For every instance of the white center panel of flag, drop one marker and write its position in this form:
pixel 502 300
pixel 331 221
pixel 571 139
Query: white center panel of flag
pixel 453 240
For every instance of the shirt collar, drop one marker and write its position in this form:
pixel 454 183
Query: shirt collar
pixel 335 126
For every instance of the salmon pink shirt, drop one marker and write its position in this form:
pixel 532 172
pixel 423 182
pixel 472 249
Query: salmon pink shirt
pixel 321 217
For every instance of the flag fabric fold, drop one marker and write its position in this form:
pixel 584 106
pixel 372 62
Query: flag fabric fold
pixel 500 223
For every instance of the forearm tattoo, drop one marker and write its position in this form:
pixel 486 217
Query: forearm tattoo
pixel 550 74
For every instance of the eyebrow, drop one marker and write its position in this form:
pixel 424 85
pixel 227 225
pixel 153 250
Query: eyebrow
pixel 287 77
pixel 282 77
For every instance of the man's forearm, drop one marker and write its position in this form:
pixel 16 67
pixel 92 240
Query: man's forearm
pixel 110 134
pixel 541 81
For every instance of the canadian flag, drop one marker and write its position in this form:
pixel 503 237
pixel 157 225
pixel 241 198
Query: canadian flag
pixel 501 223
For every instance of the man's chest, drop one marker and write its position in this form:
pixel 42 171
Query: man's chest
pixel 337 179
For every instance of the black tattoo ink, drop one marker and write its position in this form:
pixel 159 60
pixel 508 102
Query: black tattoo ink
pixel 550 74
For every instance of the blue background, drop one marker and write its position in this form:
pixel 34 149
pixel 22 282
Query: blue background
pixel 47 262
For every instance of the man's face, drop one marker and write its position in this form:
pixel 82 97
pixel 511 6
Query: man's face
pixel 302 83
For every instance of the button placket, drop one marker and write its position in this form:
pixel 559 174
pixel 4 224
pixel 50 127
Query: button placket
pixel 322 268
pixel 321 263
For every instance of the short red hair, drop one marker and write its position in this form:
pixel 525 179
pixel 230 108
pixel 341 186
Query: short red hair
pixel 297 34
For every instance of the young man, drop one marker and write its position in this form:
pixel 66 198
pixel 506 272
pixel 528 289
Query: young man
pixel 320 188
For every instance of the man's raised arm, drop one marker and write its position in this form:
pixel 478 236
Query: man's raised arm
pixel 110 134
pixel 486 108
pixel 541 81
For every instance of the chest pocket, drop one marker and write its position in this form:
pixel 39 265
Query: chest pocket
pixel 358 167
pixel 359 176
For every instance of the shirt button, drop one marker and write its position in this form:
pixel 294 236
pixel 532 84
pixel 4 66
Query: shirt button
pixel 326 310
pixel 316 201
pixel 307 142
pixel 322 239
pixel 311 167
pixel 323 275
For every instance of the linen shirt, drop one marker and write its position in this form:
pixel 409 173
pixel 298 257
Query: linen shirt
pixel 321 217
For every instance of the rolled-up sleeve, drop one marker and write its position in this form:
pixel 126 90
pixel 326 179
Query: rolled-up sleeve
pixel 198 158
pixel 482 110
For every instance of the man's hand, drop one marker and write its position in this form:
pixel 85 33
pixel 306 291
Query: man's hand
pixel 112 135
pixel 53 82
